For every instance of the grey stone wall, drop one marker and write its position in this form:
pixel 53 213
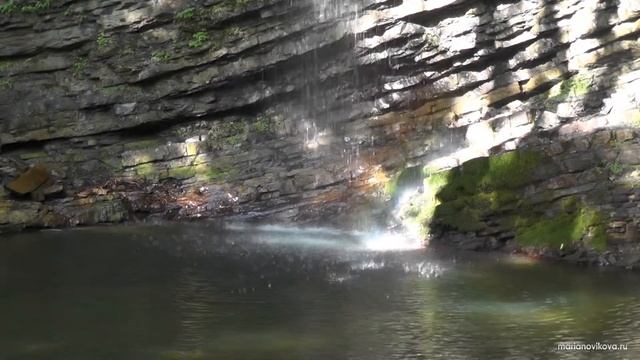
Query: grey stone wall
pixel 287 110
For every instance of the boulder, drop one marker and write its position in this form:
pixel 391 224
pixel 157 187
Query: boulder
pixel 30 180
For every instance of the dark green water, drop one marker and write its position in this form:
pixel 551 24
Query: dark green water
pixel 196 292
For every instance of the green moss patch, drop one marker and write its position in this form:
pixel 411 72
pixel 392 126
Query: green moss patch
pixel 489 174
pixel 562 230
pixel 467 213
pixel 198 39
pixel 575 86
pixel 186 14
pixel 146 171
pixel 489 190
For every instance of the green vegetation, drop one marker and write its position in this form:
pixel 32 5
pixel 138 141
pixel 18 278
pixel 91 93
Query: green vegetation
pixel 578 85
pixel 186 14
pixel 464 198
pixel 562 230
pixel 234 140
pixel 8 7
pixel 79 66
pixel 102 41
pixel 36 7
pixel 184 172
pixel 145 170
pixel 502 172
pixel 467 213
pixel 264 125
pixel 161 56
pixel 616 168
pixel 198 39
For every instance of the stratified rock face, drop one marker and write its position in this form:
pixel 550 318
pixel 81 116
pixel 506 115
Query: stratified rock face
pixel 293 110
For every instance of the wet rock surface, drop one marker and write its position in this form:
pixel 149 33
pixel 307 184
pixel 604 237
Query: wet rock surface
pixel 562 200
pixel 301 111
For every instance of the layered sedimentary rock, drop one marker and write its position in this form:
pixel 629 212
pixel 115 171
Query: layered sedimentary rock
pixel 292 110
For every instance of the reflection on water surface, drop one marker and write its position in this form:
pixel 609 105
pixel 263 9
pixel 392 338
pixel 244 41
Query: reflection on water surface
pixel 198 292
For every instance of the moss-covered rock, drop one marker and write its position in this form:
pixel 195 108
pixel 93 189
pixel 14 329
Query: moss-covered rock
pixel 488 192
pixel 497 173
pixel 481 187
pixel 467 213
pixel 582 224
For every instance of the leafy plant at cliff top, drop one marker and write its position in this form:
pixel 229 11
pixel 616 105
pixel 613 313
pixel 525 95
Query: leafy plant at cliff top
pixel 8 7
pixel 102 41
pixel 198 39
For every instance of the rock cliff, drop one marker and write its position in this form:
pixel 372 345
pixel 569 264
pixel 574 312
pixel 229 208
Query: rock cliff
pixel 304 110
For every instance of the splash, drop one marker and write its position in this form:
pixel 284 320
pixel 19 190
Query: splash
pixel 391 241
pixel 330 238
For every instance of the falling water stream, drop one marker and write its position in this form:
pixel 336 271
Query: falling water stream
pixel 198 291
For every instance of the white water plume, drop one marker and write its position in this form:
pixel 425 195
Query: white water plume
pixel 318 237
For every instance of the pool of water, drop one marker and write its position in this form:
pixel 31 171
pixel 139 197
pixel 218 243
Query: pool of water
pixel 201 292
